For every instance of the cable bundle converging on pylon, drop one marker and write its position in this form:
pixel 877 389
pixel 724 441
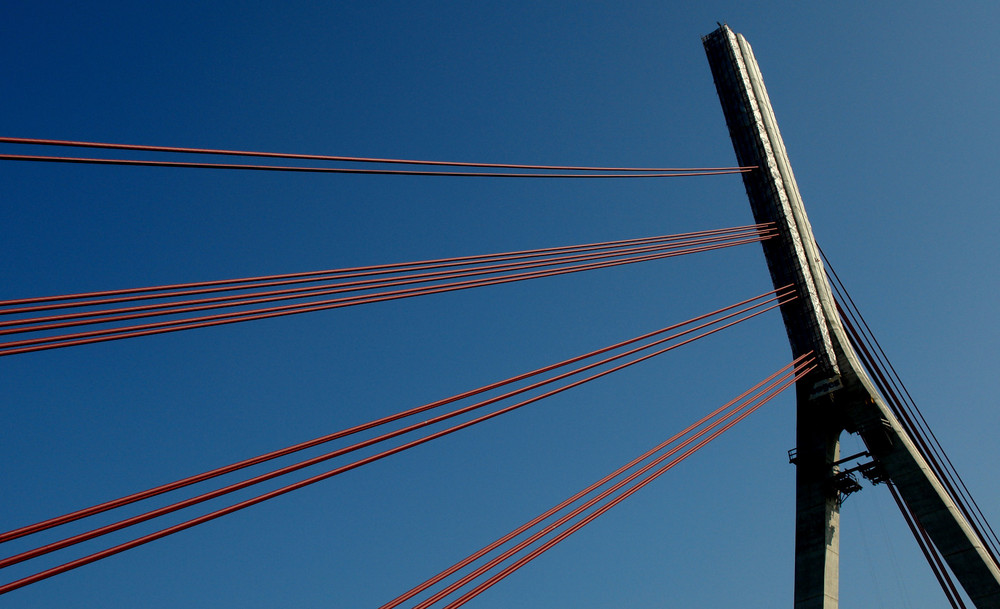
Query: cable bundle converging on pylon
pixel 541 383
pixel 243 300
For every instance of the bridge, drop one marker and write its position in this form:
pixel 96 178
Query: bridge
pixel 812 382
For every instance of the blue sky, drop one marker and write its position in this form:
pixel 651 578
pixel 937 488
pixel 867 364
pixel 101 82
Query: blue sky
pixel 889 117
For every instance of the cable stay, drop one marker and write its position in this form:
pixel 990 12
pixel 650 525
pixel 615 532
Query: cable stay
pixel 911 418
pixel 319 157
pixel 929 550
pixel 380 269
pixel 205 287
pixel 543 382
pixel 524 171
pixel 702 431
pixel 890 386
pixel 429 277
pixel 949 479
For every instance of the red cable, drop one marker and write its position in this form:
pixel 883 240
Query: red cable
pixel 405 172
pixel 318 157
pixel 351 300
pixel 96 336
pixel 103 507
pixel 336 288
pixel 593 501
pixel 579 495
pixel 325 457
pixel 397 268
pixel 669 241
pixel 992 548
pixel 914 433
pixel 535 553
pixel 319 477
pixel 922 542
pixel 153 310
pixel 936 556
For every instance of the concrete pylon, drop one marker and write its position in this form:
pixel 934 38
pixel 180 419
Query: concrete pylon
pixel 838 395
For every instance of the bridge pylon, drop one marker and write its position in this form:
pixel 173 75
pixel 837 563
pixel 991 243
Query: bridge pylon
pixel 838 396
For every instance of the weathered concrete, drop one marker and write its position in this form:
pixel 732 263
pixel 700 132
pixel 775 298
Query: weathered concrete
pixel 813 325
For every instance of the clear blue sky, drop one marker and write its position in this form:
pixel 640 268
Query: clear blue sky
pixel 890 119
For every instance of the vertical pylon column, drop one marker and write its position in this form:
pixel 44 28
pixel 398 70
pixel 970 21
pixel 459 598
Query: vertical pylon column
pixel 817 509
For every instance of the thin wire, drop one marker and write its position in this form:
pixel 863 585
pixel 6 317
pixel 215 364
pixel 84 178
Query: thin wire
pixel 407 172
pixel 318 157
pixel 865 538
pixel 103 507
pixel 890 550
